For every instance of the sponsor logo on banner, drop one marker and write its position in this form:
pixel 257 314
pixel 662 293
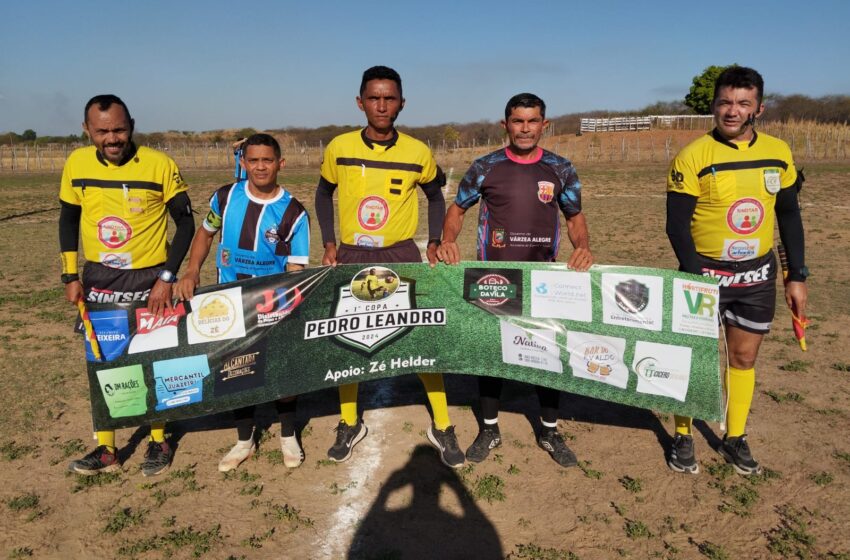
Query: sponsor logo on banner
pixel 363 240
pixel 373 284
pixel 497 290
pixel 745 216
pixel 633 301
pixel 598 357
pixel 545 191
pixel 373 213
pixel 726 279
pixel 124 390
pixel 662 369
pixel 740 249
pixel 695 307
pixel 276 305
pixel 112 330
pixel 216 316
pixel 116 260
pixel 631 296
pixel 532 348
pixel 561 295
pixel 366 319
pixel 115 296
pixel 156 332
pixel 498 238
pixel 242 370
pixel 180 381
pixel 114 232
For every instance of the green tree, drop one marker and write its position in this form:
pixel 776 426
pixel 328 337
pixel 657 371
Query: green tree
pixel 28 135
pixel 702 89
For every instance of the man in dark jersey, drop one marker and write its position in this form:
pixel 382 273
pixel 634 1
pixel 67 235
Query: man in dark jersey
pixel 523 189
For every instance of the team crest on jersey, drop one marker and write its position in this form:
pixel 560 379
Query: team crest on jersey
pixel 114 232
pixel 631 296
pixel 272 236
pixel 373 213
pixel 498 238
pixel 745 216
pixel 375 307
pixel 545 191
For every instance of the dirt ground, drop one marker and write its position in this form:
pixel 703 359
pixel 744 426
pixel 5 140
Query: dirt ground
pixel 394 499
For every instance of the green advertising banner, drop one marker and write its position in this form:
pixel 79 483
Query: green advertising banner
pixel 638 336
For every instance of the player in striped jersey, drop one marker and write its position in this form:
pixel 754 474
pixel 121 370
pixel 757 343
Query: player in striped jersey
pixel 264 230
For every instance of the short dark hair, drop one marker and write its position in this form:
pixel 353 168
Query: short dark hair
pixel 380 73
pixel 104 102
pixel 740 77
pixel 528 100
pixel 262 139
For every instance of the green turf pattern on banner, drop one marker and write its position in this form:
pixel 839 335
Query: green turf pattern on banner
pixel 638 336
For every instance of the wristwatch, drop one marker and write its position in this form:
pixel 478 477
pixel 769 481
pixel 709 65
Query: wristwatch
pixel 167 276
pixel 799 274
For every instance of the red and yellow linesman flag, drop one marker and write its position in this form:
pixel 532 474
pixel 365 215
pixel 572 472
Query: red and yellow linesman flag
pixel 799 323
pixel 90 334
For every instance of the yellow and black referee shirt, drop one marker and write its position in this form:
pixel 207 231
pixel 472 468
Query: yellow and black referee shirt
pixel 124 217
pixel 378 203
pixel 735 186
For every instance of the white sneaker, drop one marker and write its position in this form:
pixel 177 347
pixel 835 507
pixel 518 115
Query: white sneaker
pixel 293 455
pixel 241 451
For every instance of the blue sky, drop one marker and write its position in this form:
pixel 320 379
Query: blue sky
pixel 194 65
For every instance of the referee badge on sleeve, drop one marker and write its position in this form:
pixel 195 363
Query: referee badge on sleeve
pixel 772 182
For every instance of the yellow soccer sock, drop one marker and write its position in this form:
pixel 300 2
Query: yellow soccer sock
pixel 683 424
pixel 107 438
pixel 742 383
pixel 437 397
pixel 158 432
pixel 348 403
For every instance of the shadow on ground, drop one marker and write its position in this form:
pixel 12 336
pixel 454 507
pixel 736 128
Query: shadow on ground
pixel 408 519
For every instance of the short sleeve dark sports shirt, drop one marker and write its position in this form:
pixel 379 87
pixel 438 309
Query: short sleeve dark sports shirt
pixel 520 204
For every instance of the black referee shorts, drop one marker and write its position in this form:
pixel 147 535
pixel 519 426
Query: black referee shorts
pixel 102 284
pixel 747 291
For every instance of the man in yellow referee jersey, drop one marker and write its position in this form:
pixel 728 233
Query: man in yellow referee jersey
pixel 724 192
pixel 376 171
pixel 116 197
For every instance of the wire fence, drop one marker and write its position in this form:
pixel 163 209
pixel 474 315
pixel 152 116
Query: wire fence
pixel 808 141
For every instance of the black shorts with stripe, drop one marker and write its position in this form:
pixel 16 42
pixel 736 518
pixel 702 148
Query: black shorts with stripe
pixel 102 284
pixel 747 291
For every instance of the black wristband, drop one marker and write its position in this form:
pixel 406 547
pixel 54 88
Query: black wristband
pixel 437 242
pixel 798 274
pixel 68 278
